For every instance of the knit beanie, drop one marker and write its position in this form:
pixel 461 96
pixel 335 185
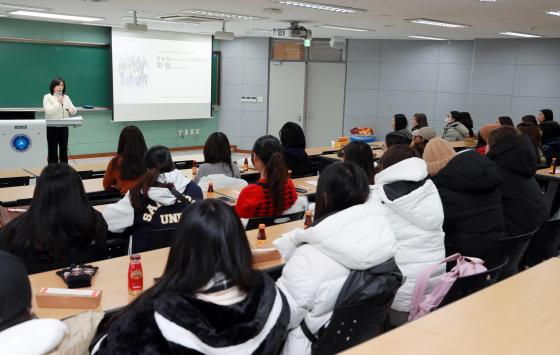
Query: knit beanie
pixel 437 154
pixel 486 129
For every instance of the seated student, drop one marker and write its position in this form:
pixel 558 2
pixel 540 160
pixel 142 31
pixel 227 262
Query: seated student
pixel 466 120
pixel 273 194
pixel 293 147
pixel 469 187
pixel 421 137
pixel 156 202
pixel 454 130
pixel 550 135
pixel 20 330
pixel 209 299
pixel 360 153
pixel 60 227
pixel 522 200
pixel 395 138
pixel 529 119
pixel 545 115
pixel 482 137
pixel 534 134
pixel 504 121
pixel 419 120
pixel 347 235
pixel 124 170
pixel 399 125
pixel 217 158
pixel 413 207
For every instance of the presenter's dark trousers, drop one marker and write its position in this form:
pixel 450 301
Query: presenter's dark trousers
pixel 57 140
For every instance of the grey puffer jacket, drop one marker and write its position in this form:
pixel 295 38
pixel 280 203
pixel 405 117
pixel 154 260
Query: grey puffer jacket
pixel 455 131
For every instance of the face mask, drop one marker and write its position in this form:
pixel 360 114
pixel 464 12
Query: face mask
pixel 448 119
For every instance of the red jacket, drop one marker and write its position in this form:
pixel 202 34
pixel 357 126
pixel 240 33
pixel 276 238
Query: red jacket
pixel 255 201
pixel 481 150
pixel 112 178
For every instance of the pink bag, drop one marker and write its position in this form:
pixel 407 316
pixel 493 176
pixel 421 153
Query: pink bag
pixel 421 305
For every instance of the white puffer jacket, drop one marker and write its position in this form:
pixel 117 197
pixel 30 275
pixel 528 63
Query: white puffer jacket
pixel 319 260
pixel 415 214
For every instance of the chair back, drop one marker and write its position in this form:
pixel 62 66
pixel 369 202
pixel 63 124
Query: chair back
pixel 311 172
pixel 253 223
pixel 86 174
pixel 514 248
pixel 361 310
pixel 14 181
pixel 467 285
pixel 544 244
pixel 162 238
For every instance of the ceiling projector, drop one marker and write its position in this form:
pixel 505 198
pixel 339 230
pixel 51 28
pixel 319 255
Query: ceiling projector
pixel 295 31
pixel 135 26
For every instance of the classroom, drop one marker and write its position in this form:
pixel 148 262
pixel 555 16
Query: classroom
pixel 279 177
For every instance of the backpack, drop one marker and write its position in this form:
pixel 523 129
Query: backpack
pixel 421 305
pixel 361 309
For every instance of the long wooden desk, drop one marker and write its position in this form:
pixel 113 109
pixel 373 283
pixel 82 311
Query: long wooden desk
pixel 14 173
pixel 307 183
pixel 517 316
pixel 314 151
pixel 112 276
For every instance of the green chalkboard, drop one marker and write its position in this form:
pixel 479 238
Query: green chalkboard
pixel 28 68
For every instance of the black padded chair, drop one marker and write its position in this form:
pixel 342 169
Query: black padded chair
pixel 360 314
pixel 103 197
pixel 14 181
pixel 253 223
pixel 98 174
pixel 86 174
pixel 185 164
pixel 162 238
pixel 544 244
pixel 514 248
pixel 312 172
pixel 467 285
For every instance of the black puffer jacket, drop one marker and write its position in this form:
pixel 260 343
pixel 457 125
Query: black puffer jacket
pixel 522 199
pixel 175 323
pixel 469 187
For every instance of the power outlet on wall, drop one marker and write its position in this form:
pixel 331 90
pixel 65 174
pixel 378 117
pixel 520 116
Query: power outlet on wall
pixel 181 133
pixel 192 131
pixel 197 131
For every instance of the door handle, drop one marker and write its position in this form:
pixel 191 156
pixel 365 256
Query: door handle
pixel 299 118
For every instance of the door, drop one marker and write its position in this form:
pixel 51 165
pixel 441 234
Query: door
pixel 325 103
pixel 286 101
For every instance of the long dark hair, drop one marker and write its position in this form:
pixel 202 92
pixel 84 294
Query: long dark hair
pixel 505 121
pixel 394 155
pixel 218 150
pixel 60 214
pixel 341 185
pixel 466 120
pixel 533 132
pixel 210 239
pixel 456 115
pixel 292 136
pixel 530 119
pixel 501 134
pixel 548 114
pixel 400 121
pixel 55 82
pixel 360 154
pixel 131 150
pixel 269 151
pixel 421 120
pixel 157 160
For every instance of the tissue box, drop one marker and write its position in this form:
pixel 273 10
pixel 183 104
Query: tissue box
pixel 49 297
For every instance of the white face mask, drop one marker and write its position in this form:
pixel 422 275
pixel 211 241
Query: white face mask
pixel 447 119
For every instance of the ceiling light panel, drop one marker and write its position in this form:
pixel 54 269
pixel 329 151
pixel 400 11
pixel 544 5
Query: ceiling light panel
pixel 519 34
pixel 21 7
pixel 321 6
pixel 223 15
pixel 429 22
pixel 343 28
pixel 147 19
pixel 553 13
pixel 55 16
pixel 429 38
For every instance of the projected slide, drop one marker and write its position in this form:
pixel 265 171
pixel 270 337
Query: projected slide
pixel 161 75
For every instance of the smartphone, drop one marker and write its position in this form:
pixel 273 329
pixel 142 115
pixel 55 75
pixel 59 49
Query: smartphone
pixel 301 190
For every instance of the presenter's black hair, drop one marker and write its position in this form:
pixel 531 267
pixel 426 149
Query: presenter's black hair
pixel 56 82
pixel 217 150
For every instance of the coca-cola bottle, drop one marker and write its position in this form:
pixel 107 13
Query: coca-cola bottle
pixel 246 165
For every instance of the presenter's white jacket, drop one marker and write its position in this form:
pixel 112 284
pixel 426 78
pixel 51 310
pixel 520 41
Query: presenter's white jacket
pixel 319 260
pixel 53 108
pixel 415 212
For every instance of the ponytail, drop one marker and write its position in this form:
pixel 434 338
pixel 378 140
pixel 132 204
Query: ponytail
pixel 157 160
pixel 269 151
pixel 276 177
